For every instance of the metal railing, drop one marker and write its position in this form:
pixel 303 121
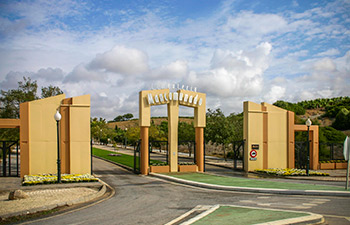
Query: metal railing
pixel 7 158
pixel 330 151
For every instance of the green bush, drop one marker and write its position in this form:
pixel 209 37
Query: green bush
pixel 329 134
pixel 297 109
pixel 342 120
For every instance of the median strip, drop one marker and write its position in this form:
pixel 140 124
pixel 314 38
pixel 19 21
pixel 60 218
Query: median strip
pixel 234 214
pixel 251 185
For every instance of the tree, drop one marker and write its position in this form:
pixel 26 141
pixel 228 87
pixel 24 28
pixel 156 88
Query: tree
pixel 125 117
pixel 119 135
pixel 11 99
pixel 342 120
pixel 133 134
pixel 186 132
pixel 50 91
pixel 218 129
pixel 164 130
pixel 235 122
pixel 98 128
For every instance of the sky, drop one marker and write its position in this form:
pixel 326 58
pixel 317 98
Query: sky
pixel 234 51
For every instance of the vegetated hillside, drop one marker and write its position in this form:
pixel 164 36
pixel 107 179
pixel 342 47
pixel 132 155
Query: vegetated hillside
pixel 135 122
pixel 327 112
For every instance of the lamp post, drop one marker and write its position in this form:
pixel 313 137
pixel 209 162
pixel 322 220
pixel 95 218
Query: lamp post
pixel 126 129
pixel 100 135
pixel 308 124
pixel 58 117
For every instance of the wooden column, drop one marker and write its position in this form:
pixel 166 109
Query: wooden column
pixel 144 151
pixel 200 148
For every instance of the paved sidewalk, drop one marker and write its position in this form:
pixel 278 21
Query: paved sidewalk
pixel 45 197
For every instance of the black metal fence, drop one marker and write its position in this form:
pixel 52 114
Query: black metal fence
pixel 300 154
pixel 187 147
pixel 137 157
pixel 158 150
pixel 327 152
pixel 10 159
pixel 238 155
pixel 331 151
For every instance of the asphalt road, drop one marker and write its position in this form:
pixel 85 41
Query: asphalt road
pixel 146 200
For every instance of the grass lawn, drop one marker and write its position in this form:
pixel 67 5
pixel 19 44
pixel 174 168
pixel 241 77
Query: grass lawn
pixel 248 182
pixel 127 160
pixel 245 216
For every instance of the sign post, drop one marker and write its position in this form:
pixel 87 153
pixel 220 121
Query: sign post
pixel 346 153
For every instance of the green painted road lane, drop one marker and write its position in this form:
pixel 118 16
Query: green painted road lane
pixel 245 216
pixel 250 182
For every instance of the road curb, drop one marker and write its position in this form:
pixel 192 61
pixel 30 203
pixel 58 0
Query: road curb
pixel 254 190
pixel 85 199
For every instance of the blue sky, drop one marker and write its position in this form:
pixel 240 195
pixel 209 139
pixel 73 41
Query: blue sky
pixel 234 51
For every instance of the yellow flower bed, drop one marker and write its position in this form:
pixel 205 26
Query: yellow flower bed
pixel 290 172
pixel 52 178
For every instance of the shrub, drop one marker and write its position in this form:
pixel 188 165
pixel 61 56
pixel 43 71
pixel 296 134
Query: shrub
pixel 342 120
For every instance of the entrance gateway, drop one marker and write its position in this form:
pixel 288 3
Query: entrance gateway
pixel 188 98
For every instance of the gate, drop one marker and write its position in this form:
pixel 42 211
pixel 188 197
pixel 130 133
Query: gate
pixel 191 148
pixel 10 159
pixel 137 157
pixel 238 155
pixel 300 154
pixel 158 150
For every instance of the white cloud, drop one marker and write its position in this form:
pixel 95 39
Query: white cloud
pixel 49 74
pixel 234 74
pixel 329 52
pixel 252 24
pixel 122 60
pixel 218 52
pixel 82 74
pixel 324 65
pixel 174 70
pixel 11 80
pixel 275 93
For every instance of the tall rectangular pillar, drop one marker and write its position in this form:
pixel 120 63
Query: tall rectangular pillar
pixel 144 151
pixel 200 148
pixel 173 121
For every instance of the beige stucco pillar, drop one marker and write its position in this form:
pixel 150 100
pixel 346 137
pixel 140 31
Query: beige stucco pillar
pixel 200 148
pixel 144 151
pixel 173 120
pixel 291 137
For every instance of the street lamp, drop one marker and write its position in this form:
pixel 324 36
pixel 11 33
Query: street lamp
pixel 126 129
pixel 308 124
pixel 58 117
pixel 100 135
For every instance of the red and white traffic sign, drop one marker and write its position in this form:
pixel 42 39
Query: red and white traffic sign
pixel 253 153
